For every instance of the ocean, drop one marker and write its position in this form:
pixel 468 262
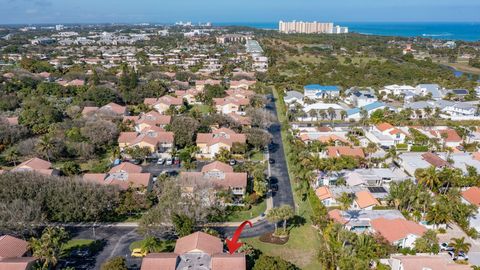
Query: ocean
pixel 446 31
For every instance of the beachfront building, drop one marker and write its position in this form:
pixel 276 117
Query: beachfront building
pixel 310 28
pixel 316 91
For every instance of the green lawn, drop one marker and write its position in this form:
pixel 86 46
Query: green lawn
pixel 257 156
pixel 301 248
pixel 165 246
pixel 77 243
pixel 255 211
pixel 204 109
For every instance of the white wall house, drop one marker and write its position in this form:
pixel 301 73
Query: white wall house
pixel 316 91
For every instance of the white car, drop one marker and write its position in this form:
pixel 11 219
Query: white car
pixel 160 161
pixel 460 257
pixel 169 161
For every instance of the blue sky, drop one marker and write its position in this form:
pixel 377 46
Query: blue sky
pixel 98 11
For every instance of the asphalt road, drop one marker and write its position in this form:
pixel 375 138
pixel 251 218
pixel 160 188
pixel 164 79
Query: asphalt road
pixel 118 239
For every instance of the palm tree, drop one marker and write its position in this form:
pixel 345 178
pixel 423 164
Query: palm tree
pixel 459 244
pixel 273 216
pixel 46 145
pixel 428 178
pixel 331 112
pixel 285 213
pixel 345 200
pixel 49 246
pixel 151 244
pixel 428 111
pixel 12 156
pixel 370 149
pixel 323 114
pixel 343 115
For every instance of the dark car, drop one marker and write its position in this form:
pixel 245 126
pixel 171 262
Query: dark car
pixel 273 180
pixel 271 160
pixel 274 187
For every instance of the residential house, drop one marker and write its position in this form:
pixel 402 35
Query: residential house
pixel 424 262
pixel 13 121
pixel 360 98
pixel 316 91
pixel 240 93
pixel 356 113
pixel 412 161
pixel 158 141
pixel 148 120
pixel 336 138
pixel 164 103
pixel 364 200
pixel 189 95
pixel 231 104
pixel 195 251
pixel 360 220
pixel 374 177
pixel 321 111
pixel 124 175
pixel 458 110
pixel 36 165
pixel 398 232
pixel 338 151
pixel 385 134
pixel 462 160
pixel 293 97
pixel 14 254
pixel 472 196
pixel 242 84
pixel 210 144
pixel 200 85
pixel 433 89
pixel 217 175
pixel 397 90
pixel 242 120
pixel 115 108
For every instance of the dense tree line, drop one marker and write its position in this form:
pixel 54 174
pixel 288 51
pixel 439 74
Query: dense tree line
pixel 29 199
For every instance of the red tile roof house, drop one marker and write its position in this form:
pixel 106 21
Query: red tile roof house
pixel 209 144
pixel 217 175
pixel 242 84
pixel 231 104
pixel 115 108
pixel 240 93
pixel 13 254
pixel 162 104
pixel 200 85
pixel 338 151
pixel 424 262
pixel 159 142
pixel 472 196
pixel 189 95
pixel 398 232
pixel 364 200
pixel 242 120
pixel 124 175
pixel 149 120
pixel 197 251
pixel 386 135
pixel 36 165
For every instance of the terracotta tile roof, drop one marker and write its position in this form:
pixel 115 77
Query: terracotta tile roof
pixel 336 215
pixel 157 261
pixel 35 164
pixel 12 120
pixel 324 139
pixel 241 83
pixel 126 167
pixel 335 151
pixel 168 100
pixel 231 100
pixel 89 110
pixel 114 107
pixel 23 263
pixel 476 156
pixel 323 193
pixel 222 180
pixel 384 126
pixel 324 129
pixel 209 82
pixel 222 135
pixel 120 179
pixel 243 120
pixel 132 118
pixel 199 241
pixel 154 118
pixel 434 160
pixel 154 138
pixel 396 229
pixel 365 199
pixel 76 83
pixel 127 137
pixel 235 261
pixel 451 135
pixel 434 262
pixel 217 166
pixel 240 93
pixel 472 195
pixel 12 247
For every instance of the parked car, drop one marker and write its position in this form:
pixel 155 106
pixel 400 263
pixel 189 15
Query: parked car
pixel 271 160
pixel 138 253
pixel 460 257
pixel 85 252
pixel 169 161
pixel 273 180
pixel 445 247
pixel 176 161
pixel 160 161
pixel 232 162
pixel 274 187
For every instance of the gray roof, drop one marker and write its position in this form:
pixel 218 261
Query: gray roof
pixel 363 217
pixel 293 94
pixel 432 88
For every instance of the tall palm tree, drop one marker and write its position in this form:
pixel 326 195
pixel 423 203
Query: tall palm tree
pixel 273 216
pixel 343 115
pixel 285 213
pixel 48 247
pixel 46 145
pixel 12 156
pixel 459 244
pixel 345 200
pixel 428 178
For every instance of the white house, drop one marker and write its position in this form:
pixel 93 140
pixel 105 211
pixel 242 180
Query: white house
pixel 316 91
pixel 293 97
pixel 362 98
pixel 356 114
pixel 385 134
pixel 313 111
pixel 397 90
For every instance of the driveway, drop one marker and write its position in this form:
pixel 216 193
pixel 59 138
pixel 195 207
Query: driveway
pixel 455 232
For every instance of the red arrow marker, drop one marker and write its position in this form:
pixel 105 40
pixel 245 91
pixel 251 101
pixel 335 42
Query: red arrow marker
pixel 233 244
